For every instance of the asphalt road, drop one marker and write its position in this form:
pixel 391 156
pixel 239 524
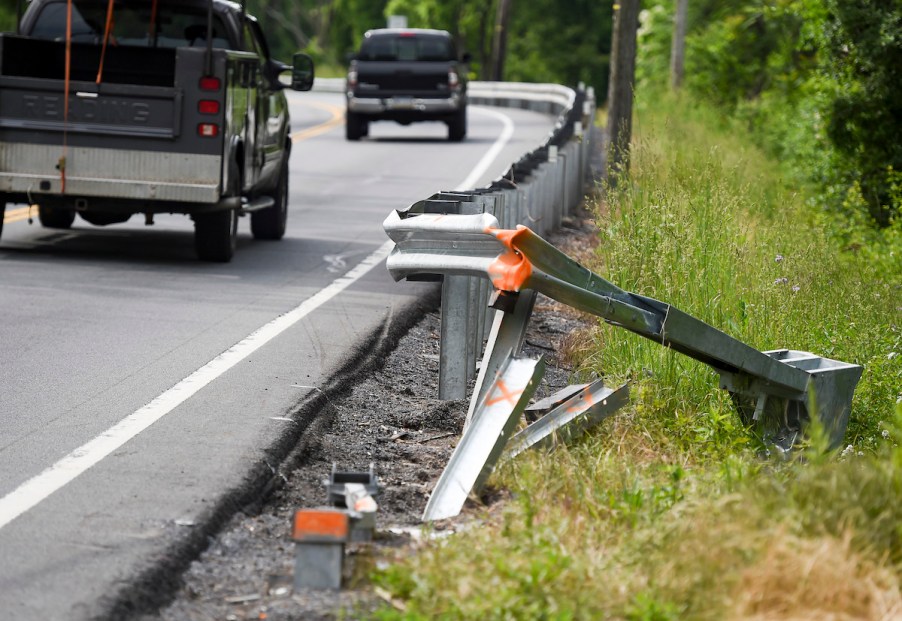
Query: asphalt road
pixel 141 387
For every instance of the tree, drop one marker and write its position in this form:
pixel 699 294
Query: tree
pixel 620 88
pixel 679 44
pixel 499 40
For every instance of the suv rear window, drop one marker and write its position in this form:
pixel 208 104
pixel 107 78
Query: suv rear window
pixel 406 47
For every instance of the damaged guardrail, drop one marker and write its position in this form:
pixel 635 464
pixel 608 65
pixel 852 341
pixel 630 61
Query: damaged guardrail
pixel 539 190
pixel 778 391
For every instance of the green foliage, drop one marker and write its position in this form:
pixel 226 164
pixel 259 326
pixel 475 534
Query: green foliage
pixel 8 15
pixel 818 82
pixel 563 42
pixel 864 45
pixel 547 40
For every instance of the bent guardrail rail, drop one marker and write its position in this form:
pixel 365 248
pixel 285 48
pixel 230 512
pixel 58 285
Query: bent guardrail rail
pixel 778 391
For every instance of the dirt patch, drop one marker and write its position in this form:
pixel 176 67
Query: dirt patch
pixel 391 419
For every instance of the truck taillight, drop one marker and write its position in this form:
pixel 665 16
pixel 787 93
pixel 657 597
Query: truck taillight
pixel 210 83
pixel 208 106
pixel 453 79
pixel 208 130
pixel 352 78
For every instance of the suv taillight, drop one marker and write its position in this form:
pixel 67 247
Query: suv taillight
pixel 352 79
pixel 453 78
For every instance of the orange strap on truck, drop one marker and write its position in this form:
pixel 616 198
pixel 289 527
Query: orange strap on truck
pixel 107 30
pixel 67 74
pixel 153 22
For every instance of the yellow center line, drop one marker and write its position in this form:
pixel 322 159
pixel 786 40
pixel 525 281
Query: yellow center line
pixel 337 119
pixel 20 213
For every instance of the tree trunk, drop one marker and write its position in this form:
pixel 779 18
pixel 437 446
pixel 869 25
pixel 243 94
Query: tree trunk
pixel 679 45
pixel 620 89
pixel 499 45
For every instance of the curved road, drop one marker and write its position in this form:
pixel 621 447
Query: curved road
pixel 140 386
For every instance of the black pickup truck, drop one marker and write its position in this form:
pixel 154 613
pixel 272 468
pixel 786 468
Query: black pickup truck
pixel 137 110
pixel 407 75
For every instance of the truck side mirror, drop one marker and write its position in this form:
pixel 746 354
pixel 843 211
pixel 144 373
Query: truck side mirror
pixel 301 72
pixel 466 58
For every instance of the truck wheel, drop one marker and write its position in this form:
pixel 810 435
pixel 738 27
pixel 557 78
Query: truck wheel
pixel 457 126
pixel 215 235
pixel 54 218
pixel 270 223
pixel 103 218
pixel 355 127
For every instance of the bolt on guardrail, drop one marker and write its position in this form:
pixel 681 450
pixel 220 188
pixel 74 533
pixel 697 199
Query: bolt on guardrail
pixel 778 391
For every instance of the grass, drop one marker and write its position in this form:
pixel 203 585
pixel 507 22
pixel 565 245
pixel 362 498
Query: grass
pixel 667 511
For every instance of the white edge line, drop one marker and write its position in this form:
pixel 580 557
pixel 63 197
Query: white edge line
pixel 39 487
pixel 506 134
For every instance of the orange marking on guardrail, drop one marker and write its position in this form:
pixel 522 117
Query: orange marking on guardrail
pixel 581 402
pixel 511 270
pixel 506 395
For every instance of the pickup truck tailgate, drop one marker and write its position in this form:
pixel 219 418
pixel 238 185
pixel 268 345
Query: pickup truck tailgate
pixel 133 141
pixel 422 79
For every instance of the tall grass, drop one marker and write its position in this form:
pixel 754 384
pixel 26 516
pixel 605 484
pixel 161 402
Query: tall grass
pixel 667 511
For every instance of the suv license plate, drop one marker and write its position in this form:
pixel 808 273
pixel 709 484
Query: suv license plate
pixel 402 103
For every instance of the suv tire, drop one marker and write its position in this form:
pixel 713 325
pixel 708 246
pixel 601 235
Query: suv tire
pixel 457 126
pixel 355 127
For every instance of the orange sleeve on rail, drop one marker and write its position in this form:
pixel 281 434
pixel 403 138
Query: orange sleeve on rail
pixel 511 270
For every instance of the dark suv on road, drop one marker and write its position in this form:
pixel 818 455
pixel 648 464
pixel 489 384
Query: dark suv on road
pixel 407 75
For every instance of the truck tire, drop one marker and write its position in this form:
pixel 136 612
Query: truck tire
pixel 270 223
pixel 103 218
pixel 355 127
pixel 457 126
pixel 55 218
pixel 2 215
pixel 215 235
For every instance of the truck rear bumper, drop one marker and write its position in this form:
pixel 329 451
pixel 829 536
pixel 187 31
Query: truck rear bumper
pixel 32 169
pixel 390 105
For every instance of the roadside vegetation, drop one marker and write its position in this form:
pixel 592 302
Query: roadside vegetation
pixel 671 509
pixel 740 209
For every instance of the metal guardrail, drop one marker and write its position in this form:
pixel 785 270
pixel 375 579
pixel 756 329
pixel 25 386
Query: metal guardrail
pixel 780 389
pixel 549 98
pixel 539 189
pixel 476 243
pixel 779 392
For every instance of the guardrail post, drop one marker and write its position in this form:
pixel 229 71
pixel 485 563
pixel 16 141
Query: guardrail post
pixel 505 340
pixel 452 383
